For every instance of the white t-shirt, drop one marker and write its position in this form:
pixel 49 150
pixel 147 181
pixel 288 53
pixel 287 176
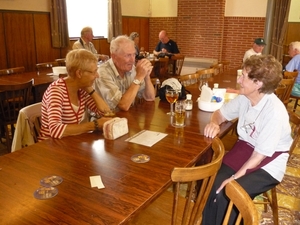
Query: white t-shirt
pixel 270 132
pixel 249 53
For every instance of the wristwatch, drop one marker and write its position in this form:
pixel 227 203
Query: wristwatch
pixel 137 82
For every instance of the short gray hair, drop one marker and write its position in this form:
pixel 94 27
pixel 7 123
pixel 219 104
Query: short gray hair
pixel 117 44
pixel 295 45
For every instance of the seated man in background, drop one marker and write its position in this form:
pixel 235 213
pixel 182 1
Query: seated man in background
pixel 257 48
pixel 120 81
pixel 294 64
pixel 85 41
pixel 166 45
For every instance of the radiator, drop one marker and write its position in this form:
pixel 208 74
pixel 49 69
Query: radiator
pixel 192 64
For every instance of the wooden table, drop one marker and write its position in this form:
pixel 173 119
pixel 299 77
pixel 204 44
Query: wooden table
pixel 40 81
pixel 129 186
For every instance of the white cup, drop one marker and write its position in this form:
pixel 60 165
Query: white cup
pixel 216 85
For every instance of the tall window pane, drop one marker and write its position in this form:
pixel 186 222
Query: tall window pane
pixel 92 13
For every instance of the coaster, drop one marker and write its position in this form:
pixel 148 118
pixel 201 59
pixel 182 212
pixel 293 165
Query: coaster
pixel 51 181
pixel 45 192
pixel 140 158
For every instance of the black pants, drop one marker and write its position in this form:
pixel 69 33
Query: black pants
pixel 254 183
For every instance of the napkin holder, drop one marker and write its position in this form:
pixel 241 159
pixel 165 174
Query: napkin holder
pixel 211 100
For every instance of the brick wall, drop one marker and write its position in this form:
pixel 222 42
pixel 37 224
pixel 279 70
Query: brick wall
pixel 201 30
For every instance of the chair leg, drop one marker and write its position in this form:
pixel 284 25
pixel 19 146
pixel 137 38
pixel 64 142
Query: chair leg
pixel 295 105
pixel 274 206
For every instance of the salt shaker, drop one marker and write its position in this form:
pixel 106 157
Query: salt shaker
pixel 188 102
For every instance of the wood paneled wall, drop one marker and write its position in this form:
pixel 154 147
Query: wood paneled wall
pixel 140 25
pixel 26 40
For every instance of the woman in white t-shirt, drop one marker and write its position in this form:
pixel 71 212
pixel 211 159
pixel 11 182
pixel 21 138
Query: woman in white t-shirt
pixel 258 159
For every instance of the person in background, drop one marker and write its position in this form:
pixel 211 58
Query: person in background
pixel 139 53
pixel 165 45
pixel 294 64
pixel 258 159
pixel 67 100
pixel 121 81
pixel 85 41
pixel 257 48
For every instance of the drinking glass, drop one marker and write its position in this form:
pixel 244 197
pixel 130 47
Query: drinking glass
pixel 171 96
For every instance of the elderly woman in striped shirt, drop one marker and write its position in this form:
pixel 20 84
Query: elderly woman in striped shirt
pixel 68 101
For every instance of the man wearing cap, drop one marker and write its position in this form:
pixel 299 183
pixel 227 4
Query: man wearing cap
pixel 257 48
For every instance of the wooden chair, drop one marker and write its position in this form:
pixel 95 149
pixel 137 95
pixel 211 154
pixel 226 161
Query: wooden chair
pixel 14 70
pixel 45 66
pixel 61 62
pixel 242 201
pixel 218 68
pixel 279 91
pixel 161 68
pixel 287 74
pixel 225 65
pixel 270 197
pixel 206 73
pixel 288 83
pixel 27 127
pixel 176 64
pixel 189 79
pixel 186 209
pixel 12 99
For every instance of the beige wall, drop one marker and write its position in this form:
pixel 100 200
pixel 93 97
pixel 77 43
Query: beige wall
pixel 163 8
pixel 26 5
pixel 136 8
pixel 294 15
pixel 246 8
pixel 149 8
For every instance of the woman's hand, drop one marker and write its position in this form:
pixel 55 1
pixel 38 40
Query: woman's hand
pixel 224 184
pixel 211 130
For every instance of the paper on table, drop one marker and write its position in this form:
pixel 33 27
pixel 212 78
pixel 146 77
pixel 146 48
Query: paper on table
pixel 96 181
pixel 146 137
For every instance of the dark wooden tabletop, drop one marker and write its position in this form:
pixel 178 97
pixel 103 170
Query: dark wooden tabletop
pixel 129 186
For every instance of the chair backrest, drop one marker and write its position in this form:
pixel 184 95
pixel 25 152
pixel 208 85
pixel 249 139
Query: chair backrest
pixel 242 201
pixel 13 98
pixel 206 173
pixel 280 91
pixel 178 63
pixel 189 79
pixel 33 117
pixel 14 70
pixel 287 74
pixel 225 65
pixel 218 68
pixel 295 126
pixel 61 62
pixel 289 83
pixel 45 66
pixel 206 73
pixel 163 67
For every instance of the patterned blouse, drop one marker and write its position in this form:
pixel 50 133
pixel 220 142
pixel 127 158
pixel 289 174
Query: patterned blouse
pixel 58 111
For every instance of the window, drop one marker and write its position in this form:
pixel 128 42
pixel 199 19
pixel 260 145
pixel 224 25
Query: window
pixel 91 13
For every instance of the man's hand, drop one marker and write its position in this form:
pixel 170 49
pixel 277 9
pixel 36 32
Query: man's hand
pixel 143 69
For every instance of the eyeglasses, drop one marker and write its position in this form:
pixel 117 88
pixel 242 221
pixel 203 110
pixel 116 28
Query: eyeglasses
pixel 92 72
pixel 250 127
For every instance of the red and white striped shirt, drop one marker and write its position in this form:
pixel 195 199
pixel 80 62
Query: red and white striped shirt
pixel 58 112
